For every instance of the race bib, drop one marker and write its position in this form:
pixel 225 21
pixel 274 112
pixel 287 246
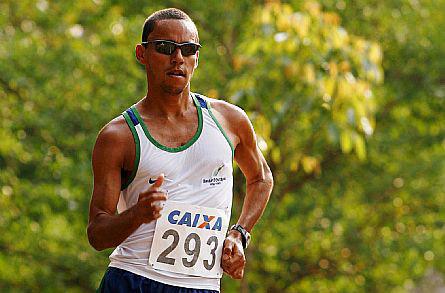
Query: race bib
pixel 188 239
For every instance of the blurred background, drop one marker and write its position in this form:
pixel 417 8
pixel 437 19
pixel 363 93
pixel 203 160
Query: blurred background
pixel 347 99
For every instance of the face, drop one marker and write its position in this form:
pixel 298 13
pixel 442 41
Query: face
pixel 169 73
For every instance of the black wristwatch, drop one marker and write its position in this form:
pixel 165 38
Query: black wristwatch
pixel 245 236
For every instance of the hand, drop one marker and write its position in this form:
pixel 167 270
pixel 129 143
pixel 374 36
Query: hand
pixel 233 259
pixel 147 208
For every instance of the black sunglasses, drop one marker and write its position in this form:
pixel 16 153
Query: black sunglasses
pixel 168 47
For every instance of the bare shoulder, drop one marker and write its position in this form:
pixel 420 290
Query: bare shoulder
pixel 231 112
pixel 115 131
pixel 236 120
pixel 114 141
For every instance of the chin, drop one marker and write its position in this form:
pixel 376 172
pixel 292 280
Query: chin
pixel 174 91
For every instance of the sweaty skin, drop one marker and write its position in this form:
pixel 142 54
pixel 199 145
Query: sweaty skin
pixel 171 116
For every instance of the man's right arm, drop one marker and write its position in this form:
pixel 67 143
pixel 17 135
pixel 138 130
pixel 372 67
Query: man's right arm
pixel 106 228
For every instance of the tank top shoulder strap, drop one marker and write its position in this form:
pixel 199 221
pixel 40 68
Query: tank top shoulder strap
pixel 132 122
pixel 203 103
pixel 132 116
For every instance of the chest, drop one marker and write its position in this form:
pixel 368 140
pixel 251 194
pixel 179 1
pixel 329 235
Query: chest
pixel 173 133
pixel 206 154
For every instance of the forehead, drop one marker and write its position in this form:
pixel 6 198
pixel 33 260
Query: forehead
pixel 177 30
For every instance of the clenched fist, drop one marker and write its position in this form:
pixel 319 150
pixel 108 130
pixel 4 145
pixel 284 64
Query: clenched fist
pixel 233 259
pixel 148 207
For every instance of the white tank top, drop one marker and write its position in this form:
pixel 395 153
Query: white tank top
pixel 209 153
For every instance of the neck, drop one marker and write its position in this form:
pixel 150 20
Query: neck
pixel 162 104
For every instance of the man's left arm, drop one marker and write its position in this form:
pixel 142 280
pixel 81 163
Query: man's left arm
pixel 259 183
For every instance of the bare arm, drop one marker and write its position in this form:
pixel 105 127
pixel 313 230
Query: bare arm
pixel 259 183
pixel 259 180
pixel 106 229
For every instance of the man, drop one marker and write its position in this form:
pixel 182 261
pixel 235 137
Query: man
pixel 163 175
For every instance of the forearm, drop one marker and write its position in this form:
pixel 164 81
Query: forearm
pixel 106 231
pixel 255 201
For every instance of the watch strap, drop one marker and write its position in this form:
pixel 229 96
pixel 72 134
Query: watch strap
pixel 244 234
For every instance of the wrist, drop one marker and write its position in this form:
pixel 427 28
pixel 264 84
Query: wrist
pixel 135 215
pixel 241 233
pixel 235 234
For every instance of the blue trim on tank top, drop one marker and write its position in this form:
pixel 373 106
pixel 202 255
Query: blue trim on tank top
pixel 201 101
pixel 132 117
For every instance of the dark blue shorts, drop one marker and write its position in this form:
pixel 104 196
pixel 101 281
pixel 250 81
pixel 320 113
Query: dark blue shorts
pixel 120 281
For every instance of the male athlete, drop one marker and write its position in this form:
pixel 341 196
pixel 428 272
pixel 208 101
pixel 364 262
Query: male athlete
pixel 163 175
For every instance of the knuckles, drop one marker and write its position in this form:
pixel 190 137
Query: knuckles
pixel 146 211
pixel 152 196
pixel 234 265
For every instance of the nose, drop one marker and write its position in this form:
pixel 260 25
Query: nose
pixel 176 56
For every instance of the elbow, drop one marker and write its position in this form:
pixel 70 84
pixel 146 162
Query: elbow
pixel 93 239
pixel 269 182
pixel 268 178
pixel 264 181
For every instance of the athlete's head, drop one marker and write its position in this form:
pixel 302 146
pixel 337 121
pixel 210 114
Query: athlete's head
pixel 169 50
pixel 164 14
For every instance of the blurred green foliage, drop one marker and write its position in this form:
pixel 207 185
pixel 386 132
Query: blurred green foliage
pixel 347 99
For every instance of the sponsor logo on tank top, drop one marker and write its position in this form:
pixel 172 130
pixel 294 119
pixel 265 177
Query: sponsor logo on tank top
pixel 215 179
pixel 152 181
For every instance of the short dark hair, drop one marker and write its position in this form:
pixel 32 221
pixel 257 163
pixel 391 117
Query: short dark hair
pixel 169 13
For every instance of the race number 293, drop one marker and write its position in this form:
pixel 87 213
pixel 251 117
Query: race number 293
pixel 188 240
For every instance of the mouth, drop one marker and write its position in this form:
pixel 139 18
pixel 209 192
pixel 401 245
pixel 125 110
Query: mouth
pixel 176 73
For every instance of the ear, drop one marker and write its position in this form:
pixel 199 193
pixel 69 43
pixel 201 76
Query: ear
pixel 197 59
pixel 140 54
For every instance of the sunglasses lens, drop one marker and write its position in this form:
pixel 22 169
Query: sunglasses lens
pixel 165 47
pixel 189 49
